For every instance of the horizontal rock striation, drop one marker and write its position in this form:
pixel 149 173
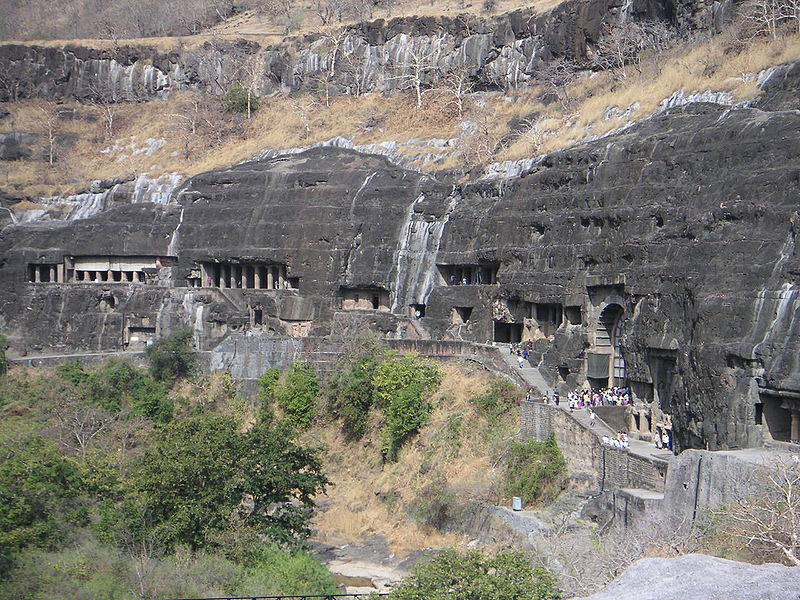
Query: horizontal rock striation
pixel 671 245
pixel 495 53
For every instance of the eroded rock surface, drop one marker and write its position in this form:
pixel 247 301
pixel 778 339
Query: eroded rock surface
pixel 700 576
pixel 498 52
pixel 673 242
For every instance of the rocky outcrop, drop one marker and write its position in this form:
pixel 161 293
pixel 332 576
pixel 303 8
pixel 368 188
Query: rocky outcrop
pixel 679 232
pixel 495 53
pixel 701 576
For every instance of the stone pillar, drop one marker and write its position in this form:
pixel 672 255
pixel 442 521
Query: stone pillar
pixel 53 274
pixel 280 277
pixel 136 276
pixel 60 273
pixel 244 269
pixel 257 276
pixel 37 274
pixel 203 275
pixel 223 277
pixel 643 427
pixel 270 278
pixel 795 435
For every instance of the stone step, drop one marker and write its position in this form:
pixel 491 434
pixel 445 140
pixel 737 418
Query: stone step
pixel 530 374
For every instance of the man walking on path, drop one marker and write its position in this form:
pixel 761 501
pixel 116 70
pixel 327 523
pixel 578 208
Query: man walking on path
pixel 592 417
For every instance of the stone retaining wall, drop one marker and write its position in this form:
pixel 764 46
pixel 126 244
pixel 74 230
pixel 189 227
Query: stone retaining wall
pixel 592 466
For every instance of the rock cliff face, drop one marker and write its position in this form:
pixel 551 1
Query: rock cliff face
pixel 664 256
pixel 496 53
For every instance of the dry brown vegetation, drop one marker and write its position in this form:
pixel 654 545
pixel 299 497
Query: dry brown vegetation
pixel 198 135
pixel 456 453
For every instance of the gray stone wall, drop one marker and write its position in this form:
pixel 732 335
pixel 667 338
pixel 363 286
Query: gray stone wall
pixel 592 466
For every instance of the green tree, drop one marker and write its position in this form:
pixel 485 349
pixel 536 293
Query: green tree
pixel 402 386
pixel 38 492
pixel 267 384
pixel 297 394
pixel 203 474
pixel 241 99
pixel 172 357
pixel 353 392
pixel 451 575
pixel 536 470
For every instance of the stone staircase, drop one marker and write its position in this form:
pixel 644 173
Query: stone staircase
pixel 530 374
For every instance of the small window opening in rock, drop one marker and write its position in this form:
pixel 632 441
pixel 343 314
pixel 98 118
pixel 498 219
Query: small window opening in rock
pixel 258 316
pixel 417 310
pixel 461 314
pixel 563 372
pixel 573 314
pixel 376 302
pixel 294 282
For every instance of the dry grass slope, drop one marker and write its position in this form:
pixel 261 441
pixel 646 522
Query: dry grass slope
pixel 458 449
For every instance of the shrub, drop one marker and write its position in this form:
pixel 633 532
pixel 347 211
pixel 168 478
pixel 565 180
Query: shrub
pixel 297 394
pixel 398 372
pixel 500 398
pixel 267 384
pixel 353 391
pixel 172 357
pixel 536 470
pixel 405 415
pixel 237 99
pixel 273 571
pixel 430 507
pixel 451 575
pixel 117 384
pixel 401 387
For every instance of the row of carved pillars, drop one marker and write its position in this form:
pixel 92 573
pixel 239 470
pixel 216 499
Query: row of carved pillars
pixel 244 276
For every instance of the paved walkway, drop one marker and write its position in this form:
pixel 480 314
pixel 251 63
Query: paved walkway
pixel 531 375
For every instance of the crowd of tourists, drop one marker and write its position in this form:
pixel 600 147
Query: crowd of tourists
pixel 522 352
pixel 613 396
pixel 619 441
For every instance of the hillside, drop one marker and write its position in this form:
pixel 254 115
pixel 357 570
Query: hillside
pixel 337 238
pixel 459 117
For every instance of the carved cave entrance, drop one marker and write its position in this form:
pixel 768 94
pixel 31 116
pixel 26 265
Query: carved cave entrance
pixel 607 363
pixel 507 333
pixel 780 415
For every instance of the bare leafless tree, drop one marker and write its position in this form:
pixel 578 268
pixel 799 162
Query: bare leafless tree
pixel 557 74
pixel 627 45
pixel 104 98
pixel 416 74
pixel 305 109
pixel 79 424
pixel 186 123
pixel 766 515
pixel 48 113
pixel 281 11
pixel 455 88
